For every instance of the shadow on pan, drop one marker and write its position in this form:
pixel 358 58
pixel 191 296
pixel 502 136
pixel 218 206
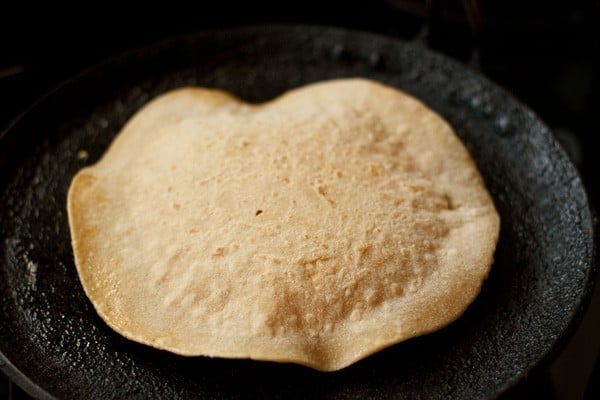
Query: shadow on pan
pixel 53 343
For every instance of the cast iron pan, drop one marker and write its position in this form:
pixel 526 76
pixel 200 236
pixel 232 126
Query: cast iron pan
pixel 53 343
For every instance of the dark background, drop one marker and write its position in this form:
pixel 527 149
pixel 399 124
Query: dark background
pixel 545 52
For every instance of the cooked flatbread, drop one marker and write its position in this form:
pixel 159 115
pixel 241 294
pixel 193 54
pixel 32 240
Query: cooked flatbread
pixel 318 228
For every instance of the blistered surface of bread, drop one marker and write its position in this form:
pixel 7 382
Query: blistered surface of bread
pixel 336 220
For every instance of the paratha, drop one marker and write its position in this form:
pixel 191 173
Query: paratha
pixel 318 228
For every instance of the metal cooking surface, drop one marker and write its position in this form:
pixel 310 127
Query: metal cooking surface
pixel 50 331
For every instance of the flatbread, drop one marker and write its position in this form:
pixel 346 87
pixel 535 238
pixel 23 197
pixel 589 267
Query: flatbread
pixel 318 228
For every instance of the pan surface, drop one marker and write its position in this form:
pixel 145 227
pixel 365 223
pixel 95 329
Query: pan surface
pixel 53 343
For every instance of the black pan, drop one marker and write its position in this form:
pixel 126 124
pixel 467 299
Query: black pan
pixel 53 343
